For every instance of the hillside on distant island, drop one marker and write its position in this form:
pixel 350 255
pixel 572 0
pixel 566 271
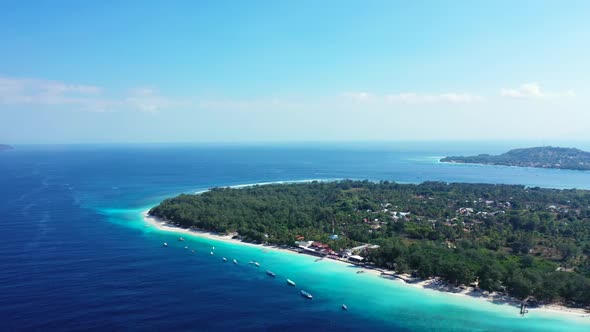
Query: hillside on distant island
pixel 540 157
pixel 4 147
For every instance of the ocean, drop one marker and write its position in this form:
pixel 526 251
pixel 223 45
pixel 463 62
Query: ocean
pixel 77 255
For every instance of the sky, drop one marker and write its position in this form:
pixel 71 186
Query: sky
pixel 290 71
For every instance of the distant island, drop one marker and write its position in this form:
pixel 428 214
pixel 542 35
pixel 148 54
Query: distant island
pixel 4 147
pixel 530 243
pixel 540 157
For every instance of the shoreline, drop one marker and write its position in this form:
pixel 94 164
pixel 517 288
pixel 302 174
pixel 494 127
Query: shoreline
pixel 433 284
pixel 509 166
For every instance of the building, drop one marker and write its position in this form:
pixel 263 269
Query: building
pixel 303 244
pixel 356 258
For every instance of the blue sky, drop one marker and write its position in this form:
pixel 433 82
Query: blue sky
pixel 241 71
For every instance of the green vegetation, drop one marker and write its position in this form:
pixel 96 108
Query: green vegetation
pixel 522 241
pixel 541 157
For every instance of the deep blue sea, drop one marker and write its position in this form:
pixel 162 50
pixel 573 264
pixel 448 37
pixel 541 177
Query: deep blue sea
pixel 76 254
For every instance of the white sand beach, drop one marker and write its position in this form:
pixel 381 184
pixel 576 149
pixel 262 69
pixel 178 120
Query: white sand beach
pixel 431 284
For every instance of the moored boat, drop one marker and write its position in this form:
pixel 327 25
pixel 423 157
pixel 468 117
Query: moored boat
pixel 224 259
pixel 181 239
pixel 306 295
pixel 235 261
pixel 270 273
pixel 344 307
pixel 257 264
pixel 165 244
pixel 290 282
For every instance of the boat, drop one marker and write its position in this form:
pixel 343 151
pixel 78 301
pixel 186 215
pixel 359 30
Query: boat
pixel 213 248
pixel 257 264
pixel 306 295
pixel 344 307
pixel 290 282
pixel 165 244
pixel 270 273
pixel 185 247
pixel 212 253
pixel 224 259
pixel 181 239
pixel 235 261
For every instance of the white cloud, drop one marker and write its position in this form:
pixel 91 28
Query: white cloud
pixel 44 92
pixel 418 98
pixel 254 105
pixel 533 91
pixel 85 97
pixel 358 96
pixel 147 99
pixel 415 98
pixel 32 91
pixel 56 94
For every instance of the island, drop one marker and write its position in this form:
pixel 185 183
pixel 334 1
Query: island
pixel 4 147
pixel 540 157
pixel 530 244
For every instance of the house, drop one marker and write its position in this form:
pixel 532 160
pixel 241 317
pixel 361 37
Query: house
pixel 465 211
pixel 356 258
pixel 303 244
pixel 319 245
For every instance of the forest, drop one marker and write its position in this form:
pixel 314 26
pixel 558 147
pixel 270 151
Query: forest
pixel 530 243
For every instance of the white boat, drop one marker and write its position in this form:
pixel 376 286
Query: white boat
pixel 213 248
pixel 212 253
pixel 270 273
pixel 181 239
pixel 344 307
pixel 306 295
pixel 290 282
pixel 224 259
pixel 165 244
pixel 185 247
pixel 235 261
pixel 257 264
